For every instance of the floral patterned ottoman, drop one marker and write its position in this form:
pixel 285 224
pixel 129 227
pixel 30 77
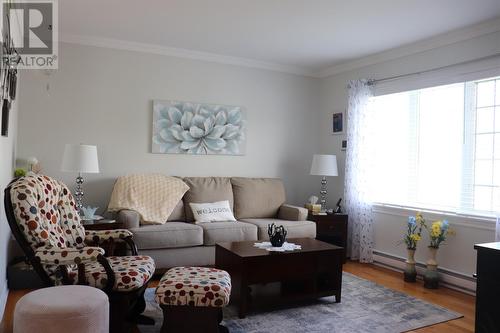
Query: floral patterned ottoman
pixel 192 299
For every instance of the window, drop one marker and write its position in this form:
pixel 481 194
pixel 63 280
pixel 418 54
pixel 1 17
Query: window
pixel 439 148
pixel 487 146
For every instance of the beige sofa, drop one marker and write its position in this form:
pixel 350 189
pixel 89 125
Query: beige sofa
pixel 256 202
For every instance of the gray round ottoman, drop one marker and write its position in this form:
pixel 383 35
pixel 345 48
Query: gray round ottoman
pixel 62 309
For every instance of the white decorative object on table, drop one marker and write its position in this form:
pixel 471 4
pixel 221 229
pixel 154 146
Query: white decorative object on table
pixel 34 166
pixel 285 247
pixel 313 199
pixel 88 212
pixel 31 162
pixel 312 205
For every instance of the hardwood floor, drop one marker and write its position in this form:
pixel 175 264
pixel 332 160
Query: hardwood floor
pixel 6 323
pixel 451 299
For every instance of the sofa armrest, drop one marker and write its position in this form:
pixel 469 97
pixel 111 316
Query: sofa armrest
pixel 292 213
pixel 129 218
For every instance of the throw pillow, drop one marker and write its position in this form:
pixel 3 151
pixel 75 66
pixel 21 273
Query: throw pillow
pixel 219 211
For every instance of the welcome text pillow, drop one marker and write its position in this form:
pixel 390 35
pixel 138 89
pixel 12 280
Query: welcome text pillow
pixel 219 211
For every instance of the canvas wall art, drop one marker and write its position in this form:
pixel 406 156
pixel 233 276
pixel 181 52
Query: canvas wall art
pixel 198 128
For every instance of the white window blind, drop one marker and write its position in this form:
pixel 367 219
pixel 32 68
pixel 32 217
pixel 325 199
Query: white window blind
pixel 439 147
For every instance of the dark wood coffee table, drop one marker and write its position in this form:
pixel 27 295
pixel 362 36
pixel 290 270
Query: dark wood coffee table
pixel 312 272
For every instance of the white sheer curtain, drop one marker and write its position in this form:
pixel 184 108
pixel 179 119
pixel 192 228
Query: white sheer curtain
pixel 497 231
pixel 357 172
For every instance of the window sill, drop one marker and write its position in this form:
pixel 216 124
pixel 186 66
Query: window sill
pixel 465 220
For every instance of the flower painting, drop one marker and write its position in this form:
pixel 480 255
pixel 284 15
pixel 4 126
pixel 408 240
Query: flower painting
pixel 195 128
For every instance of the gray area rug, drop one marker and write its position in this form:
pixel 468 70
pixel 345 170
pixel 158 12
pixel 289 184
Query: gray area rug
pixel 365 307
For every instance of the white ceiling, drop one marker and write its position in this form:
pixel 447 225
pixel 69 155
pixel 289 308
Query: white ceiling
pixel 310 35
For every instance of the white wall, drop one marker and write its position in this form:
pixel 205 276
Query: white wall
pixel 458 255
pixel 7 161
pixel 103 96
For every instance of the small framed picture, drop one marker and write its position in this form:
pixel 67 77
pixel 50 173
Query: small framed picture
pixel 338 123
pixel 343 147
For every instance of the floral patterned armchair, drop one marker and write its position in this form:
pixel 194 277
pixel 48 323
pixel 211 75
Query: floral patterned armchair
pixel 42 216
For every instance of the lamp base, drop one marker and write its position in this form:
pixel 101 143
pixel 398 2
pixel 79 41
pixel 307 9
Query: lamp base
pixel 79 193
pixel 323 194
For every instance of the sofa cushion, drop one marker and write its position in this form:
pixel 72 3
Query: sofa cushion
pixel 217 232
pixel 206 189
pixel 295 229
pixel 178 213
pixel 168 235
pixel 257 197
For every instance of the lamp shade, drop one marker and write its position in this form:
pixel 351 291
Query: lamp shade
pixel 80 158
pixel 324 165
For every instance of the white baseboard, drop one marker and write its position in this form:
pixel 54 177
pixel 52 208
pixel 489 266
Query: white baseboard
pixel 450 279
pixel 4 294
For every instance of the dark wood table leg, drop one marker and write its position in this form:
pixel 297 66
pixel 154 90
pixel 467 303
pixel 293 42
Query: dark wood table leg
pixel 338 296
pixel 229 262
pixel 243 297
pixel 338 279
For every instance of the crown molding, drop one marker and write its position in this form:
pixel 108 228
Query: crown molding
pixel 448 38
pixel 452 37
pixel 181 53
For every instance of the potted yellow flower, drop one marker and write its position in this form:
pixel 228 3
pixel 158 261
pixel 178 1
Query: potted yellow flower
pixel 438 232
pixel 411 238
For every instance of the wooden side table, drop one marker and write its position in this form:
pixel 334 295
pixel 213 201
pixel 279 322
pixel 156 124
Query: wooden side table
pixel 331 228
pixel 111 248
pixel 103 224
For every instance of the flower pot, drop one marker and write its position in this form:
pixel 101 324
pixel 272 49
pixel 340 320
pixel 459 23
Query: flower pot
pixel 431 276
pixel 410 273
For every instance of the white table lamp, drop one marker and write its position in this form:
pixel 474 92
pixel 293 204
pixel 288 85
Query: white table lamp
pixel 82 159
pixel 324 165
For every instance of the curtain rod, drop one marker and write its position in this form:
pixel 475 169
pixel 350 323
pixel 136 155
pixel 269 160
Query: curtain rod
pixel 390 78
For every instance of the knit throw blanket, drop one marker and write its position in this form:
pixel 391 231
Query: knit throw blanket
pixel 153 196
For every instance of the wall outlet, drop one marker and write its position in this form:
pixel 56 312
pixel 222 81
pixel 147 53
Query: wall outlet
pixel 344 145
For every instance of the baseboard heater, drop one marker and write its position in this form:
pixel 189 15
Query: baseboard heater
pixel 450 279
